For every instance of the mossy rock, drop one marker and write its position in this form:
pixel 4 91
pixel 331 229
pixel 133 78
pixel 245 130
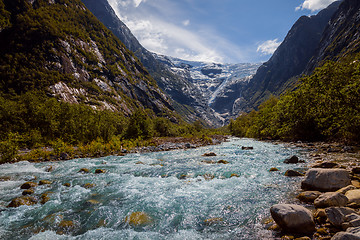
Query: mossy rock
pixel 28 185
pixel 88 185
pixel 211 221
pixel 28 191
pixel 24 200
pixel 84 170
pixel 138 219
pixel 45 182
pixel 99 171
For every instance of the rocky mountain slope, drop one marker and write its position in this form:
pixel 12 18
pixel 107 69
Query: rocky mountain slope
pixel 217 83
pixel 289 60
pixel 189 101
pixel 60 48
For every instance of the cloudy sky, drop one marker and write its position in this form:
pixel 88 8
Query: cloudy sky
pixel 230 31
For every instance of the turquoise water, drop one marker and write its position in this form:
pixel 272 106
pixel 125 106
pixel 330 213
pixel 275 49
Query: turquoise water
pixel 169 186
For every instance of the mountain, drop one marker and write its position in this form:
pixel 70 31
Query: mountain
pixel 289 60
pixel 341 36
pixel 60 48
pixel 216 82
pixel 189 101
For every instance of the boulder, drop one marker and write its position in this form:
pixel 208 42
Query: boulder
pixel 345 236
pixel 325 180
pixel 355 170
pixel 44 198
pixel 294 159
pixel 211 154
pixel 346 189
pixel 28 185
pixel 337 215
pixel 45 182
pixel 353 219
pixel 293 218
pixel 273 169
pixel 88 185
pixel 247 148
pixel 326 165
pixel 28 191
pixel 293 173
pixel 331 199
pixel 353 196
pixel 24 200
pixel 84 170
pixel 99 171
pixel 223 162
pixel 309 196
pixel 138 219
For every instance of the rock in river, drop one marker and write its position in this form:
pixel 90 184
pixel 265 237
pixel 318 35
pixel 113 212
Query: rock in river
pixel 331 199
pixel 326 180
pixel 138 219
pixel 24 200
pixel 294 159
pixel 293 218
pixel 28 185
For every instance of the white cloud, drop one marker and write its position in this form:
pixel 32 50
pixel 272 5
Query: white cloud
pixel 268 47
pixel 186 22
pixel 314 5
pixel 138 2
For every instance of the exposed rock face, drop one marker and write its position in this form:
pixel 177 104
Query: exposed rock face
pixel 290 59
pixel 293 218
pixel 331 199
pixel 325 179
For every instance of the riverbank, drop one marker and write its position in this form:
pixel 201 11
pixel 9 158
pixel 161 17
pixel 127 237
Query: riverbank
pixel 62 151
pixel 329 196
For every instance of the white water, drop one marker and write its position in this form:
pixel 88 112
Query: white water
pixel 177 206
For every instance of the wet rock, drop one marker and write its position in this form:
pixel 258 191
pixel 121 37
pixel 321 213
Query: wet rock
pixel 92 202
pixel 234 175
pixel 84 170
pixel 5 178
pixel 345 236
pixel 44 198
pixel 45 182
pixel 28 191
pixel 99 171
pixel 208 176
pixel 303 238
pixel 67 184
pixel 346 189
pixel 293 173
pixel 353 196
pixel 308 196
pixel 293 218
pixel 355 170
pixel 53 219
pixel 247 148
pixel 322 231
pixel 326 180
pixel 211 221
pixel 326 165
pixel 65 227
pixel 24 200
pixel 88 185
pixel 273 169
pixel 49 168
pixel 223 162
pixel 139 162
pixel 28 185
pixel 355 183
pixel 211 154
pixel 138 219
pixel 64 156
pixel 331 199
pixel 337 215
pixel 293 160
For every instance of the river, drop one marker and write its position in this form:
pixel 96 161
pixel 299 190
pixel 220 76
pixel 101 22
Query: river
pixel 183 194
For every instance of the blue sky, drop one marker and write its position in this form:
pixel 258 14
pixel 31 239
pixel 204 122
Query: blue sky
pixel 227 31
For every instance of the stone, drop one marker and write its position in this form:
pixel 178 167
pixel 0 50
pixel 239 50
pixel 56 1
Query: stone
pixel 49 168
pixel 293 173
pixel 138 219
pixel 337 215
pixel 66 226
pixel 345 236
pixel 320 213
pixel 28 185
pixel 355 183
pixel 346 189
pixel 211 154
pixel 322 179
pixel 234 175
pixel 308 196
pixel 92 202
pixel 99 171
pixel 28 191
pixel 211 221
pixel 303 238
pixel 293 218
pixel 64 156
pixel 44 198
pixel 223 162
pixel 5 178
pixel 331 199
pixel 322 231
pixel 293 160
pixel 88 185
pixel 355 170
pixel 353 196
pixel 247 148
pixel 84 170
pixel 326 165
pixel 45 182
pixel 24 200
pixel 273 169
pixel 67 184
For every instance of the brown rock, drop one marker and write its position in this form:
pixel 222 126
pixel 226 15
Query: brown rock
pixel 45 182
pixel 337 215
pixel 211 154
pixel 273 169
pixel 326 165
pixel 353 196
pixel 293 160
pixel 84 170
pixel 88 185
pixel 293 173
pixel 99 171
pixel 308 196
pixel 355 183
pixel 67 184
pixel 44 198
pixel 138 219
pixel 24 200
pixel 28 185
pixel 331 199
pixel 326 180
pixel 28 191
pixel 223 162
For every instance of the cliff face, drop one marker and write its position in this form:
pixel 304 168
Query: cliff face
pixel 341 36
pixel 59 47
pixel 289 60
pixel 188 99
